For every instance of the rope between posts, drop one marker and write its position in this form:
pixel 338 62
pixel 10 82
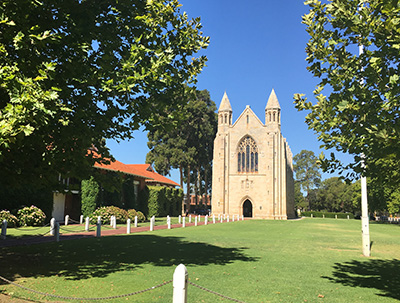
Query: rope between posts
pixel 48 224
pixel 215 293
pixel 89 299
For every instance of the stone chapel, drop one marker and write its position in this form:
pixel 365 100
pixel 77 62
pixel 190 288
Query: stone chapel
pixel 252 165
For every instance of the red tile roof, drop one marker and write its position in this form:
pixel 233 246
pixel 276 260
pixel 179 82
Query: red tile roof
pixel 153 177
pixel 144 171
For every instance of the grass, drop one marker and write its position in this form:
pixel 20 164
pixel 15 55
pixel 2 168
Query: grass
pixel 312 260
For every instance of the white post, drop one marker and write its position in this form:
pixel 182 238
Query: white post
pixel 224 216
pixel 323 216
pixel 135 221
pixel 180 283
pixel 220 219
pixel 335 216
pixel 152 223
pixel 81 219
pixel 115 222
pixel 98 227
pixel 233 218
pixel 169 222
pixel 242 217
pixel 4 229
pixel 57 232
pixel 206 220
pixel 183 221
pixel 52 226
pixel 311 215
pixel 195 221
pixel 238 217
pixel 180 219
pixel 213 219
pixel 66 219
pixel 190 218
pixel 128 226
pixel 111 221
pixel 227 218
pixel 348 217
pixel 87 224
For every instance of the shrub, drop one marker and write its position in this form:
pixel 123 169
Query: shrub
pixel 141 217
pixel 106 212
pixel 320 214
pixel 31 216
pixel 12 220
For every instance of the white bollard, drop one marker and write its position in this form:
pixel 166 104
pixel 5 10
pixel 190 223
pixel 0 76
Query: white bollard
pixel 128 226
pixel 311 215
pixel 4 229
pixel 206 220
pixel 323 216
pixel 111 221
pixel 57 232
pixel 233 218
pixel 242 217
pixel 348 217
pixel 224 216
pixel 115 222
pixel 135 221
pixel 66 220
pixel 81 219
pixel 335 216
pixel 87 221
pixel 152 223
pixel 190 218
pixel 180 284
pixel 238 217
pixel 195 221
pixel 220 220
pixel 169 222
pixel 227 218
pixel 184 222
pixel 52 226
pixel 199 219
pixel 98 227
pixel 213 219
pixel 180 219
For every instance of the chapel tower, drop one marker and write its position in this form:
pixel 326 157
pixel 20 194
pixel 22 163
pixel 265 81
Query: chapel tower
pixel 252 164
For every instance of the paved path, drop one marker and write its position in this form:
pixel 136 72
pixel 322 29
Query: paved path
pixel 78 235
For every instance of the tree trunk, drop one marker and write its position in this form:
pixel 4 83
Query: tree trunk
pixel 188 190
pixel 181 182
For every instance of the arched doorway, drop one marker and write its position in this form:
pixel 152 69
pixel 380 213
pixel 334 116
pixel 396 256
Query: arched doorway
pixel 247 209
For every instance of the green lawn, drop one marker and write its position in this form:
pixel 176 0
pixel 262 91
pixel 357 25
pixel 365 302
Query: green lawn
pixel 311 260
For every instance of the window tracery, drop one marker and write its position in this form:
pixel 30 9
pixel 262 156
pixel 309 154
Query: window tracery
pixel 247 156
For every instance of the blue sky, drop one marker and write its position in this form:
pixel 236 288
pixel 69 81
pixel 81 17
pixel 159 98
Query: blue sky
pixel 255 46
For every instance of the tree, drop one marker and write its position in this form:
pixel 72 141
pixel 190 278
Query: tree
pixel 333 195
pixel 73 73
pixel 189 146
pixel 299 201
pixel 358 94
pixel 307 172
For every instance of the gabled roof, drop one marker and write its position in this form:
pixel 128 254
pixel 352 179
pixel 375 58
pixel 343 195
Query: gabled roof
pixel 121 167
pixel 143 171
pixel 272 101
pixel 152 176
pixel 225 104
pixel 247 110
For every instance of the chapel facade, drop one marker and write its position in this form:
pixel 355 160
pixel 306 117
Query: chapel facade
pixel 252 165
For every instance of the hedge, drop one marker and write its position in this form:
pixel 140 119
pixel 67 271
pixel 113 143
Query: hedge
pixel 320 214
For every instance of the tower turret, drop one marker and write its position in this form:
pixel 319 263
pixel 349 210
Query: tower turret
pixel 273 112
pixel 225 112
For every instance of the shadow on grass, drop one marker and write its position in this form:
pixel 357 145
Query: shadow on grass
pixel 98 257
pixel 383 275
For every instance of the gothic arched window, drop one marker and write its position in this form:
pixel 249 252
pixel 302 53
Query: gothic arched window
pixel 247 156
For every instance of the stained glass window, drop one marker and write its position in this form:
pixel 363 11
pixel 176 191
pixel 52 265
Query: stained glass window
pixel 247 156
